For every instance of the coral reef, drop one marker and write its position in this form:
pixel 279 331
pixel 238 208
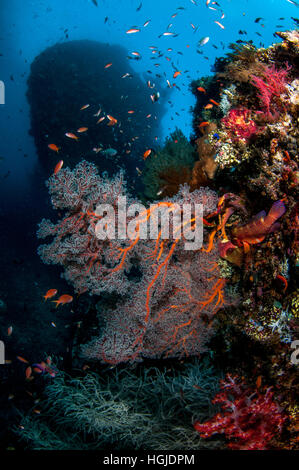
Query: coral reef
pixel 236 297
pixel 256 223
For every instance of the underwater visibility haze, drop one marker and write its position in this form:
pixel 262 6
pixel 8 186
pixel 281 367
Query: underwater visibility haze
pixel 149 225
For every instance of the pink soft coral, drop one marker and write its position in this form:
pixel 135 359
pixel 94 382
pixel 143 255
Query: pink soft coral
pixel 239 124
pixel 270 87
pixel 249 419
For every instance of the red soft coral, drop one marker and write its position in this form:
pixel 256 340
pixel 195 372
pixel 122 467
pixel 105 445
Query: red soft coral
pixel 239 124
pixel 270 87
pixel 249 419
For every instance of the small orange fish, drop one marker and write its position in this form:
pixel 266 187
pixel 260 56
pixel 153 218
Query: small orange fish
pixel 208 106
pixel 9 330
pixel 200 88
pixel 287 156
pixel 147 153
pixel 53 147
pixel 58 167
pixel 20 358
pixel 28 372
pixel 50 293
pixel 63 299
pixel 101 119
pixel 203 124
pixel 215 102
pixel 70 135
pixel 176 74
pixel 133 30
pixel 136 54
pixel 112 120
pixel 82 129
pixel 259 381
pixel 84 107
pixel 131 111
pixel 284 280
pixel 108 65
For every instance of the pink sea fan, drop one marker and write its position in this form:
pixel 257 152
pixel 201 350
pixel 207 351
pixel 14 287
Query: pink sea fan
pixel 168 308
pixel 171 318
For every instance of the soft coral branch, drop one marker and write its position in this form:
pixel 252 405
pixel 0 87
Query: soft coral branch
pixel 270 86
pixel 249 419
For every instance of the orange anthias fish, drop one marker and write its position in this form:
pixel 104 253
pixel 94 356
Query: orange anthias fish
pixel 108 65
pixel 53 147
pixel 215 102
pixel 260 226
pixel 84 107
pixel 63 299
pixel 22 359
pixel 208 106
pixel 101 119
pixel 112 120
pixel 50 293
pixel 70 135
pixel 200 88
pixel 58 167
pixel 82 129
pixel 203 124
pixel 28 372
pixel 147 153
pixel 133 30
pixel 176 74
pixel 219 24
pixel 259 381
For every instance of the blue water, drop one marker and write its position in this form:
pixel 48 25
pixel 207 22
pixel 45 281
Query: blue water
pixel 28 27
